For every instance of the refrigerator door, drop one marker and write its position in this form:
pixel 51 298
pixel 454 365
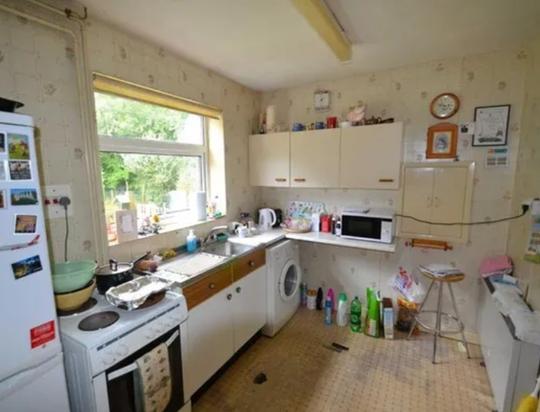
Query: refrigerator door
pixel 42 388
pixel 28 321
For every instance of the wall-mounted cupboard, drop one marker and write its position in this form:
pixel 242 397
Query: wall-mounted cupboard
pixel 364 157
pixel 437 192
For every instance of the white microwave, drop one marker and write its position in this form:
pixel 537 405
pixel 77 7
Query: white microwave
pixel 376 225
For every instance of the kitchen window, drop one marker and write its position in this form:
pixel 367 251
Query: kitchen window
pixel 153 157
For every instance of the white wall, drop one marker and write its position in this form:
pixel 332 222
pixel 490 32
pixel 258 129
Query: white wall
pixel 405 94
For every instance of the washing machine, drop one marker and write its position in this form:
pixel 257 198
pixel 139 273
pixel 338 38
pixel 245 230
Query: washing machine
pixel 283 284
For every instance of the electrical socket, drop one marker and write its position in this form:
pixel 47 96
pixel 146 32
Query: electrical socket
pixel 51 197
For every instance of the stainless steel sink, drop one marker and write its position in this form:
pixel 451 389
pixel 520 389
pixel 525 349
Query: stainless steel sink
pixel 226 249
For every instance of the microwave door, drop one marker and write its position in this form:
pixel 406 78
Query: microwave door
pixel 361 227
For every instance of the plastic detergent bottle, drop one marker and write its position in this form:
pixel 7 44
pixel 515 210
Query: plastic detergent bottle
pixel 191 242
pixel 328 311
pixel 341 319
pixel 356 315
pixel 372 318
pixel 330 294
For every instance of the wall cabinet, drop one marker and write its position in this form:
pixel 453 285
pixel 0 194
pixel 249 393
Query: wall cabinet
pixel 364 157
pixel 439 192
pixel 315 158
pixel 269 159
pixel 224 321
pixel 371 156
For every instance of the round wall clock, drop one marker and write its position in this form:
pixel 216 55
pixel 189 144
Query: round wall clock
pixel 444 105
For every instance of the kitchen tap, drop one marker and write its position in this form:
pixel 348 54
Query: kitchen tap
pixel 214 231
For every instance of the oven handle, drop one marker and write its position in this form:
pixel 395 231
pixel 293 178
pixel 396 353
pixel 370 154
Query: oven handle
pixel 132 366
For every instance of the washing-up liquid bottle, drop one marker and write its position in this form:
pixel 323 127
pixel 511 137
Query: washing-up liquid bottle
pixel 191 242
pixel 373 312
pixel 341 318
pixel 356 315
pixel 328 311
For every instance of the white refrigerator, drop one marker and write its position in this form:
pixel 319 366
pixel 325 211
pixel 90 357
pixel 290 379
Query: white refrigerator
pixel 31 364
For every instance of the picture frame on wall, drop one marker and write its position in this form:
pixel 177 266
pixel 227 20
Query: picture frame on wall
pixel 491 125
pixel 442 141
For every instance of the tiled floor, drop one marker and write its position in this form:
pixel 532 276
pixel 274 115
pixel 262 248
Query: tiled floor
pixel 374 375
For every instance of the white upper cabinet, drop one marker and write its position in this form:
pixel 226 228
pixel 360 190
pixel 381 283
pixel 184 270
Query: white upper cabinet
pixel 438 192
pixel 371 156
pixel 315 158
pixel 269 159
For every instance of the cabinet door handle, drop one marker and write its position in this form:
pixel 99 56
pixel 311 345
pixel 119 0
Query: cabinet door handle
pixel 280 179
pixel 251 263
pixel 229 296
pixel 386 180
pixel 299 179
pixel 212 286
pixel 238 289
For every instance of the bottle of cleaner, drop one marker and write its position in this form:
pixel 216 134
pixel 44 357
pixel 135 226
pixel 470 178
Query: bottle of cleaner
pixel 191 242
pixel 342 310
pixel 373 312
pixel 319 302
pixel 328 311
pixel 356 315
pixel 330 294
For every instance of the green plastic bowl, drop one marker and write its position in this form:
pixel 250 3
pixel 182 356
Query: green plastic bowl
pixel 70 276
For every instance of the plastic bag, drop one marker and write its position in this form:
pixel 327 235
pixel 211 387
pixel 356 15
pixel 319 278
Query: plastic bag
pixel 408 286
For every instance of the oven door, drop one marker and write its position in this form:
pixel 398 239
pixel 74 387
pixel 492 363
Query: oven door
pixel 115 389
pixel 361 227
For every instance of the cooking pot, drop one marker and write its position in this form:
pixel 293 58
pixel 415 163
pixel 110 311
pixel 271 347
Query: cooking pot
pixel 115 273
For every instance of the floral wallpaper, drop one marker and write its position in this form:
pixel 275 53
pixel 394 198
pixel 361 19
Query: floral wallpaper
pixel 405 94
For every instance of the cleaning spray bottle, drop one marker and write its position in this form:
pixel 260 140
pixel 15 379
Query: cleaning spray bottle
pixel 328 311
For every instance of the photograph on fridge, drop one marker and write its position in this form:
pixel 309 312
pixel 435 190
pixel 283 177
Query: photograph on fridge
pixel 3 200
pixel 2 171
pixel 25 224
pixel 18 147
pixel 26 266
pixel 19 170
pixel 24 197
pixel 2 142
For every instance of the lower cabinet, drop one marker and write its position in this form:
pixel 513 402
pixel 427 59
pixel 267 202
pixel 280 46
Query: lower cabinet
pixel 220 325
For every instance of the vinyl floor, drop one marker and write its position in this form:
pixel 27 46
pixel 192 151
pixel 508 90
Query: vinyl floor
pixel 374 375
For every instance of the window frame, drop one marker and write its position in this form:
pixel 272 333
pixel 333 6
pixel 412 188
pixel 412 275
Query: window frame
pixel 130 145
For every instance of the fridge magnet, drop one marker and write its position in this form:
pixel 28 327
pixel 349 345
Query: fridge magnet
pixel 16 246
pixel 25 224
pixel 3 201
pixel 497 157
pixel 491 125
pixel 24 197
pixel 18 147
pixel 19 170
pixel 26 266
pixel 2 171
pixel 2 142
pixel 442 141
pixel 42 334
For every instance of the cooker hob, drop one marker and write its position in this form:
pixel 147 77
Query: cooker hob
pixel 99 320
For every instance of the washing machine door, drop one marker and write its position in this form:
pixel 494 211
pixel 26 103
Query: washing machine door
pixel 289 280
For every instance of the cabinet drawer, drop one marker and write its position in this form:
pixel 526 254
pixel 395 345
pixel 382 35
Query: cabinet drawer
pixel 207 287
pixel 248 263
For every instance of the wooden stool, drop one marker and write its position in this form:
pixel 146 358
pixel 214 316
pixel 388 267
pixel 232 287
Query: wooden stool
pixel 437 331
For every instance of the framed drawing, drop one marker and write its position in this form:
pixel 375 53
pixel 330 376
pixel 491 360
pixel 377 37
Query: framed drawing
pixel 491 125
pixel 442 141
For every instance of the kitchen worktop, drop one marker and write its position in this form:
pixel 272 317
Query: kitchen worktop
pixel 266 238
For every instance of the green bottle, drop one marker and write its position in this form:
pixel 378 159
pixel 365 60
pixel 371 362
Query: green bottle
pixel 372 318
pixel 356 315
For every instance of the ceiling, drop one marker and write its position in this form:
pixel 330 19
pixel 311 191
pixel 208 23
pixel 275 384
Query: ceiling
pixel 267 44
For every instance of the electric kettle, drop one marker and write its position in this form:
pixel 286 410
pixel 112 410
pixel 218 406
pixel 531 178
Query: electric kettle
pixel 267 219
